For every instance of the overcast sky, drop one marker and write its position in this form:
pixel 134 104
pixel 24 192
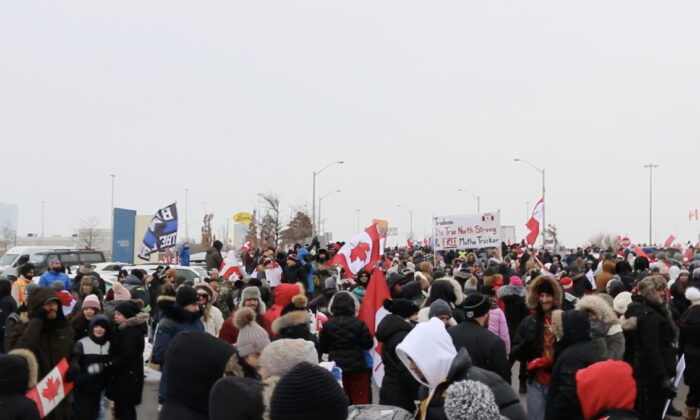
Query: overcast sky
pixel 234 98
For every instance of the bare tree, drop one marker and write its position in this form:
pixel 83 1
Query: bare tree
pixel 206 231
pixel 299 229
pixel 87 233
pixel 603 240
pixel 224 234
pixel 252 235
pixel 271 227
pixel 9 237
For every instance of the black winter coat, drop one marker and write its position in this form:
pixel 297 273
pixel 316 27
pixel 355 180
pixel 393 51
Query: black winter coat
pixel 527 343
pixel 690 344
pixel 93 350
pixel 49 344
pixel 7 307
pixel 650 346
pixel 399 387
pixel 213 258
pixel 461 369
pixel 14 379
pixel 486 350
pixel 516 309
pixel 572 353
pixel 295 274
pixel 345 338
pixel 125 375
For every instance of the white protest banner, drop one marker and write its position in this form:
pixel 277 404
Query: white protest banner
pixel 467 231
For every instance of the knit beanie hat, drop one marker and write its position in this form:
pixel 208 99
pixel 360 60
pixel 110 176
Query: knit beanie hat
pixel 281 355
pixel 621 301
pixel 516 281
pixel 440 307
pixel 298 303
pixel 308 392
pixel 91 301
pixel 120 292
pixel 476 305
pixel 567 283
pixel 470 400
pixel 692 294
pixel 252 338
pixel 186 295
pixel 404 308
pixel 129 309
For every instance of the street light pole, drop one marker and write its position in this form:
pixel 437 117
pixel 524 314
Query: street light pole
pixel 112 212
pixel 651 166
pixel 319 204
pixel 187 207
pixel 544 205
pixel 478 199
pixel 410 212
pixel 313 196
pixel 42 219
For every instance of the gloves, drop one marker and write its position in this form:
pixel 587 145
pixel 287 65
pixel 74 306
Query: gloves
pixel 39 312
pixel 668 389
pixel 541 363
pixel 72 374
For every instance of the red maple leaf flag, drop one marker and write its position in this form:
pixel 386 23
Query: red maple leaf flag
pixel 533 224
pixel 669 241
pixel 51 390
pixel 362 251
pixel 371 313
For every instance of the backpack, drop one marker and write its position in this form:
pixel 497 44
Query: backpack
pixel 378 412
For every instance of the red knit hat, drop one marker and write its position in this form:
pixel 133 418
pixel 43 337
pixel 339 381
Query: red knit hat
pixel 605 385
pixel 567 283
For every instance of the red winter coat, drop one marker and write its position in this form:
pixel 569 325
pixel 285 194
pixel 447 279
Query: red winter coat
pixel 604 386
pixel 283 295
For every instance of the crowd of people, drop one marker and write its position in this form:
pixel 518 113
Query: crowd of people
pixel 595 333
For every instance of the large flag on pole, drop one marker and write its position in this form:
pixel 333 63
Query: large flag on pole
pixel 371 313
pixel 362 251
pixel 51 390
pixel 161 233
pixel 229 266
pixel 533 224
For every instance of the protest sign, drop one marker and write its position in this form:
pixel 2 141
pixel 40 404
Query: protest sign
pixel 467 231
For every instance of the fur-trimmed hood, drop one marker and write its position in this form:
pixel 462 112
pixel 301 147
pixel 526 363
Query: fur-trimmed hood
pixel 139 319
pixel 17 376
pixel 598 306
pixel 290 319
pixel 533 292
pixel 344 303
pixel 571 326
pixel 456 287
pixel 510 290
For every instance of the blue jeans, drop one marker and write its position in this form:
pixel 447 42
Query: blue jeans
pixel 536 400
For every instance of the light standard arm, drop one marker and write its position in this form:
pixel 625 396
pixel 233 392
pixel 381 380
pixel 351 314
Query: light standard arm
pixel 544 205
pixel 478 199
pixel 313 196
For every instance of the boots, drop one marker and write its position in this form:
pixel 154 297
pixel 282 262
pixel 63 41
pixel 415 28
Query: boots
pixel 691 413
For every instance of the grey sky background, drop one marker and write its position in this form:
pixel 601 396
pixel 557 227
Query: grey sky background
pixel 230 99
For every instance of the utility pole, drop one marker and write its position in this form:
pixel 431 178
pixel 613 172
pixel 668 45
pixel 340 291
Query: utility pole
pixel 42 219
pixel 187 206
pixel 651 166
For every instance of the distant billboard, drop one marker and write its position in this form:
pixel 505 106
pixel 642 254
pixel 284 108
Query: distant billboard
pixel 123 235
pixel 8 216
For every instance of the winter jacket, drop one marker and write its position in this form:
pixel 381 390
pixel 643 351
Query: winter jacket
pixel 7 307
pixel 678 301
pixel 93 350
pixel 229 332
pixel 283 294
pixel 309 269
pixel 649 341
pixel 138 290
pixel 295 274
pixel 431 348
pixel 485 349
pixel 214 322
pixel 606 388
pixel 195 361
pixel 499 326
pixel 234 398
pixel 573 352
pixel 602 278
pixel 513 298
pixel 606 332
pixel 344 337
pixel 185 256
pixel 399 387
pixel 48 278
pixel 213 258
pixel 50 342
pixel 173 320
pixel 689 344
pixel 18 373
pixel 125 373
pixel 322 302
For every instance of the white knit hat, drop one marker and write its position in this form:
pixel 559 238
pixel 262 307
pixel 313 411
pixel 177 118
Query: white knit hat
pixel 471 400
pixel 692 294
pixel 621 302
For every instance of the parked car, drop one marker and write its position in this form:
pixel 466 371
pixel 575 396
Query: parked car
pixel 191 273
pixel 70 258
pixel 18 255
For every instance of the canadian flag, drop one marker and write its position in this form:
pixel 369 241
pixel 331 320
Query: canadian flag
pixel 321 319
pixel 51 390
pixel 693 215
pixel 362 251
pixel 229 266
pixel 533 224
pixel 246 246
pixel 371 313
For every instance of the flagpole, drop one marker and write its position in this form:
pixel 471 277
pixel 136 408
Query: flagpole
pixel 434 250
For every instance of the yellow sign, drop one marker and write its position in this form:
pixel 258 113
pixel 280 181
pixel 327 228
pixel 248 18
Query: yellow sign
pixel 242 218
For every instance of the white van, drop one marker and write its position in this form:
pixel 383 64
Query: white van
pixel 21 254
